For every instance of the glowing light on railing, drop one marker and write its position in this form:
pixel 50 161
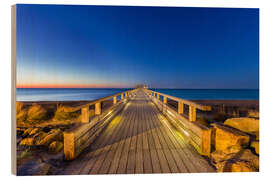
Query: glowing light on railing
pixel 183 130
pixel 170 113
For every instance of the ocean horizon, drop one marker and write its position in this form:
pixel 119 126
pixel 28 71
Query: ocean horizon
pixel 88 94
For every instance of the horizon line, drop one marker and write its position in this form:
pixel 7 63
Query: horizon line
pixel 134 88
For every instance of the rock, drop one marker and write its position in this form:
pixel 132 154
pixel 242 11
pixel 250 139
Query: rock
pixel 45 139
pixel 219 156
pixel 27 142
pixel 26 132
pixel 235 166
pixel 34 131
pixel 243 161
pixel 37 112
pixel 253 114
pixel 229 140
pixel 56 146
pixel 247 125
pixel 255 145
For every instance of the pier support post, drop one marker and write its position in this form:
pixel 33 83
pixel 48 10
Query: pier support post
pixel 192 113
pixel 180 107
pixel 165 100
pixel 97 108
pixel 85 114
pixel 114 100
pixel 122 96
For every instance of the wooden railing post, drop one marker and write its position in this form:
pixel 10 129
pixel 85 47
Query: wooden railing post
pixel 98 108
pixel 85 114
pixel 114 100
pixel 164 100
pixel 192 113
pixel 122 96
pixel 157 96
pixel 180 107
pixel 206 142
pixel 69 145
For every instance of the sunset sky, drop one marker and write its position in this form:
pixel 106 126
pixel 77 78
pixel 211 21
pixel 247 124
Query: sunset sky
pixel 97 46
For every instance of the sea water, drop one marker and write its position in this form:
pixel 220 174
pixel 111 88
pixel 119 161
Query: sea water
pixel 76 94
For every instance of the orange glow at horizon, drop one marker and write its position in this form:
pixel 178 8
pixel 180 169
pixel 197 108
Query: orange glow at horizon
pixel 71 86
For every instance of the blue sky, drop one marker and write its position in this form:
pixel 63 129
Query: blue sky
pixel 163 47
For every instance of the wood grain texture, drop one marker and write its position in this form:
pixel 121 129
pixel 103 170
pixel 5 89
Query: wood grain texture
pixel 139 140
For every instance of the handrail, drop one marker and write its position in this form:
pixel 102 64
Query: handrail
pixel 192 105
pixel 187 102
pixel 90 126
pixel 198 135
pixel 77 108
pixel 85 107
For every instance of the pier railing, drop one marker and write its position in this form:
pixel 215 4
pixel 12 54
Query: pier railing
pixel 197 134
pixel 92 122
pixel 85 108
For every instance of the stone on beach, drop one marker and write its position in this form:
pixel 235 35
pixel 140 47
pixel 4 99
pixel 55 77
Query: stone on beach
pixel 34 131
pixel 27 142
pixel 243 161
pixel 255 145
pixel 27 132
pixel 229 140
pixel 248 125
pixel 56 146
pixel 45 139
pixel 235 166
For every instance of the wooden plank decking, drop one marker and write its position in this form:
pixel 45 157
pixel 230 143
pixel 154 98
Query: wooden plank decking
pixel 138 140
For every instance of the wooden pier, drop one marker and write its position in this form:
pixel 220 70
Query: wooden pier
pixel 138 134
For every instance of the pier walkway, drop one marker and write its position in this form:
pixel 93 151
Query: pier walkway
pixel 138 139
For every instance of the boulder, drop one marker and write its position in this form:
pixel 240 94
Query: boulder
pixel 235 166
pixel 243 161
pixel 27 132
pixel 255 145
pixel 219 156
pixel 247 125
pixel 34 131
pixel 27 142
pixel 229 140
pixel 56 146
pixel 45 139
